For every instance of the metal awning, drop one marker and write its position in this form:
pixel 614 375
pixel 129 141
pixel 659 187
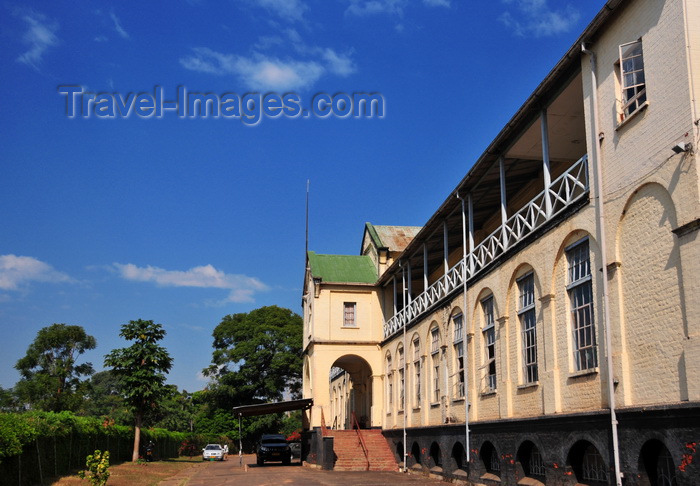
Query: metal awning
pixel 274 407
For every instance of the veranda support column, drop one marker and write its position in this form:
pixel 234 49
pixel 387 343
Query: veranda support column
pixel 504 213
pixel 446 246
pixel 545 163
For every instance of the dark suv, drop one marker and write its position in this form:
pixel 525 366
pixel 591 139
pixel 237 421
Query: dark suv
pixel 273 447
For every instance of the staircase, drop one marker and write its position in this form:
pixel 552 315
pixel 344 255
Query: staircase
pixel 350 455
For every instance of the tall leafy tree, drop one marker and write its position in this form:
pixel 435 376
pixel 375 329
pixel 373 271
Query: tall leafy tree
pixel 257 356
pixel 103 397
pixel 141 369
pixel 50 375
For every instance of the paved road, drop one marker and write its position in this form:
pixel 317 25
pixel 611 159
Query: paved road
pixel 231 473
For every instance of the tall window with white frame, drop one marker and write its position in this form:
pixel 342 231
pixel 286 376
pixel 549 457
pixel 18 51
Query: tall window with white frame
pixel 489 333
pixel 389 385
pixel 349 314
pixel 528 328
pixel 580 290
pixel 632 82
pixel 458 323
pixel 435 356
pixel 402 378
pixel 416 373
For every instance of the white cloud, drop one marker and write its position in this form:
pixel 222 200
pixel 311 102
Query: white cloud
pixel 39 37
pixel 437 3
pixel 290 10
pixel 118 26
pixel 338 64
pixel 536 18
pixel 372 7
pixel 273 74
pixel 242 288
pixel 18 270
pixel 266 72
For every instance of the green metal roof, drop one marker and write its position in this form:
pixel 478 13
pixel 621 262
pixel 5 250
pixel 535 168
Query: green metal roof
pixel 343 268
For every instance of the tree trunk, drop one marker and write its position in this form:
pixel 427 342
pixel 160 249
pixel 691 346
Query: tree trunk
pixel 137 437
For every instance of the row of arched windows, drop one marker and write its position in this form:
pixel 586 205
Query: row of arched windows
pixel 584 462
pixel 447 378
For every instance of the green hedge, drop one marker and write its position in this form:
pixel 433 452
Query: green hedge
pixel 35 446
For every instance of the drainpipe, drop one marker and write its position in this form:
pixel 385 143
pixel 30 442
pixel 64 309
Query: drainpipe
pixel 405 456
pixel 405 408
pixel 464 333
pixel 595 158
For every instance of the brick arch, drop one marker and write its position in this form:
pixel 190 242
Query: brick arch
pixel 650 285
pixel 520 270
pixel 560 257
pixel 524 464
pixel 576 456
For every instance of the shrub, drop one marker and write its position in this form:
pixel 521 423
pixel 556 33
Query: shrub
pixel 97 471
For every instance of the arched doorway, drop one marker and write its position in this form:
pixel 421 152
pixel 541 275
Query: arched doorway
pixel 350 385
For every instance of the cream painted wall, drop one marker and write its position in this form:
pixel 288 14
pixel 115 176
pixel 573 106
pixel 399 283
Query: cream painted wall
pixel 652 208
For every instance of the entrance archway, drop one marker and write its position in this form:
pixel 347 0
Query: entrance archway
pixel 350 389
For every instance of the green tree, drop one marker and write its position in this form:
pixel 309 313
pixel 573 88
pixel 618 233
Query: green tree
pixel 141 369
pixel 257 357
pixel 8 400
pixel 50 376
pixel 103 398
pixel 177 410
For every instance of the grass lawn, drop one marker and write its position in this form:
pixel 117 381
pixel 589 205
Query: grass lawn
pixel 146 474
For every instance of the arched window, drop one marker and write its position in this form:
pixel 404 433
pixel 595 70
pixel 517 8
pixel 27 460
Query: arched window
pixel 435 365
pixel 459 354
pixel 416 372
pixel 399 451
pixel 530 460
pixel 459 456
pixel 490 458
pixel 435 455
pixel 401 368
pixel 587 463
pixel 580 289
pixel 489 332
pixel 528 328
pixel 415 453
pixel 656 464
pixel 389 385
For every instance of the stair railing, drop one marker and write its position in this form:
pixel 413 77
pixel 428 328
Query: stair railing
pixel 356 425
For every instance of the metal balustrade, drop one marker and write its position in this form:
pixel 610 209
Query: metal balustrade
pixel 564 191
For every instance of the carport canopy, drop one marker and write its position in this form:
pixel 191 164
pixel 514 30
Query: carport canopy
pixel 274 407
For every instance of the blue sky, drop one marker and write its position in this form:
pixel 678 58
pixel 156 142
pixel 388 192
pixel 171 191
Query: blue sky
pixel 183 221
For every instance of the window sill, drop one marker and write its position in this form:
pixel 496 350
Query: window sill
pixel 525 386
pixel 350 327
pixel 416 409
pixel 579 374
pixel 528 481
pixel 458 400
pixel 490 476
pixel 434 405
pixel 633 115
pixel 488 393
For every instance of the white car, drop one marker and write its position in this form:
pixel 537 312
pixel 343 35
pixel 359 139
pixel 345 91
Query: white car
pixel 213 452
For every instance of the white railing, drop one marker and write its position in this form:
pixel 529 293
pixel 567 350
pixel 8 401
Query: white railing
pixel 564 191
